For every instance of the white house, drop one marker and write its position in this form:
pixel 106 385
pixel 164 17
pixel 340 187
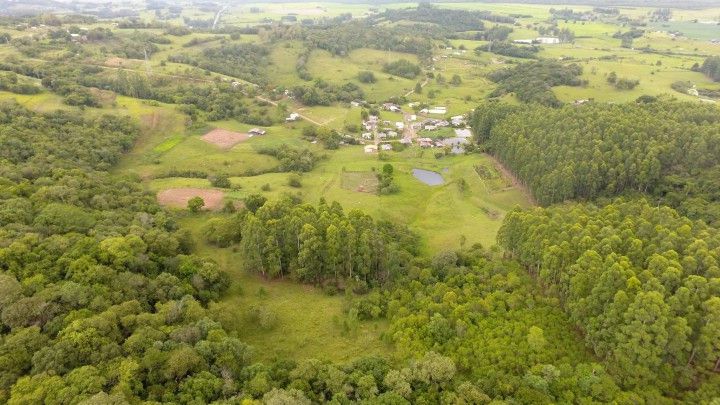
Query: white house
pixel 371 148
pixel 292 117
pixel 257 131
pixel 400 125
pixel 391 107
pixel 386 146
pixel 547 40
pixel 457 120
pixel 437 110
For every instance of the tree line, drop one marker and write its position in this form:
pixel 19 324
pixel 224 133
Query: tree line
pixel 669 150
pixel 317 245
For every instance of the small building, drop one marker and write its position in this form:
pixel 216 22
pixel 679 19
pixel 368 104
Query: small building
pixel 392 134
pixel 386 146
pixel 430 127
pixel 354 104
pixel 581 101
pixel 437 110
pixel 400 125
pixel 547 40
pixel 292 117
pixel 463 133
pixel 425 142
pixel 406 141
pixel 371 148
pixel 367 135
pixel 391 107
pixel 257 131
pixel 523 41
pixel 413 117
pixel 457 120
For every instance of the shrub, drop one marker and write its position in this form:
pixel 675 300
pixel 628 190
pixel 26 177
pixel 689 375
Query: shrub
pixel 195 204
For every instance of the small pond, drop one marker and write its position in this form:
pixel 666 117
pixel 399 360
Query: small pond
pixel 428 177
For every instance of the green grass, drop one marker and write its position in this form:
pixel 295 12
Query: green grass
pixel 168 144
pixel 339 70
pixel 309 322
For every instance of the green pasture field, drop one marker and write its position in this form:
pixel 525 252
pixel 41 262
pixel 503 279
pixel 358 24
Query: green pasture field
pixel 339 70
pixel 439 213
pixel 695 30
pixel 42 102
pixel 184 150
pixel 309 322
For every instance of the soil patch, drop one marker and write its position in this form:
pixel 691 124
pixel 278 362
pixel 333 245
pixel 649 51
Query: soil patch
pixel 223 138
pixel 178 197
pixel 363 182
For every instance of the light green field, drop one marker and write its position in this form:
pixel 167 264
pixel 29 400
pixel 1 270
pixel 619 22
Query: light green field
pixel 43 102
pixel 440 214
pixel 339 70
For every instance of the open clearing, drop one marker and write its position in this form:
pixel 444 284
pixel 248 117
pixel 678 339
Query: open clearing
pixel 363 182
pixel 179 197
pixel 223 138
pixel 308 323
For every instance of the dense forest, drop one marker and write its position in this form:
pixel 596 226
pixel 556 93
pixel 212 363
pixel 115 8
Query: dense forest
pixel 641 282
pixel 667 149
pixel 605 291
pixel 319 245
pixel 92 271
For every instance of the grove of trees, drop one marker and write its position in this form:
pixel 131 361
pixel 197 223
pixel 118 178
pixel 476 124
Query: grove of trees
pixel 667 149
pixel 642 282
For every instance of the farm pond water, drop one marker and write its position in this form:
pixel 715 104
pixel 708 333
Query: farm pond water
pixel 428 177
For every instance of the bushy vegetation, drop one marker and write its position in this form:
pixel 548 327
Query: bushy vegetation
pixel 292 159
pixel 403 68
pixel 508 49
pixel 324 93
pixel 340 39
pixel 453 20
pixel 524 352
pixel 531 82
pixel 241 60
pixel 12 83
pixel 711 67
